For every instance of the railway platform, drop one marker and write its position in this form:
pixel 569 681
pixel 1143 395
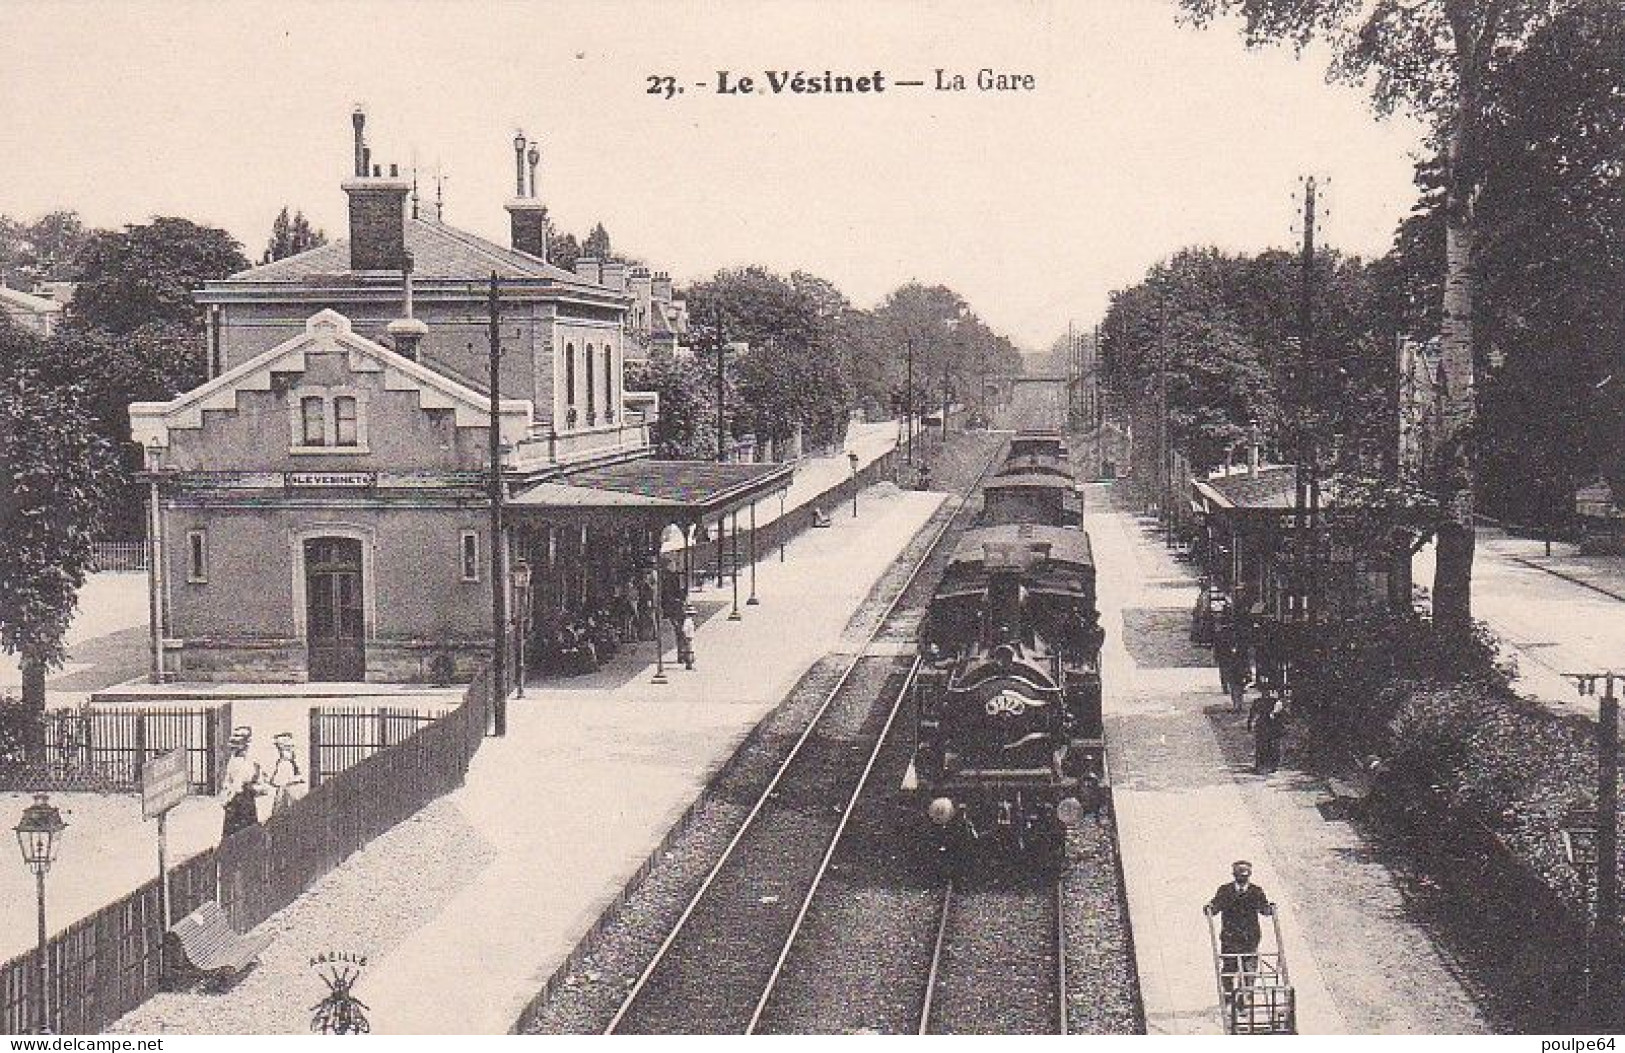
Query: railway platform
pixel 1188 804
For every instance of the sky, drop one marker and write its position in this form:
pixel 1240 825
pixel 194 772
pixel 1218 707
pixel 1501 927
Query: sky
pixel 1140 135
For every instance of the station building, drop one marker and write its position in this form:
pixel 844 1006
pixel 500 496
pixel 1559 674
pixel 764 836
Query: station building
pixel 321 505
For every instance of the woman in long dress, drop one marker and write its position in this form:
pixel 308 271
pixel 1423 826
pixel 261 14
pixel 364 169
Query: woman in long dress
pixel 242 785
pixel 287 776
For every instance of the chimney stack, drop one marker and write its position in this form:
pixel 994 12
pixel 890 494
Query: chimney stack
pixel 407 331
pixel 377 210
pixel 527 216
pixel 587 267
pixel 614 275
pixel 660 288
pixel 358 121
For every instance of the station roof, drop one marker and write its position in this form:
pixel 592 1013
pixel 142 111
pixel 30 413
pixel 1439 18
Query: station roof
pixel 663 491
pixel 440 253
pixel 1270 488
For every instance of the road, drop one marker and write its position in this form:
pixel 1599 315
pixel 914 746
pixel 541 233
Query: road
pixel 1543 615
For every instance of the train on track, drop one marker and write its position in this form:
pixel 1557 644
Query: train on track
pixel 1009 736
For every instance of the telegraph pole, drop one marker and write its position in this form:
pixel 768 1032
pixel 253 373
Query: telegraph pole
pixel 1307 485
pixel 1607 825
pixel 908 398
pixel 499 595
pixel 1162 414
pixel 722 426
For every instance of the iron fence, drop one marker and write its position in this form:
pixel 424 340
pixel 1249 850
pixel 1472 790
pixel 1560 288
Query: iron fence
pixel 101 749
pixel 119 555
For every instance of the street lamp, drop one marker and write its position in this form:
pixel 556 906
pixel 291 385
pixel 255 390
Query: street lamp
pixel 36 836
pixel 521 594
pixel 852 459
pixel 1579 833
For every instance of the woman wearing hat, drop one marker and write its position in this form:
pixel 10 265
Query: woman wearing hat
pixel 287 777
pixel 243 782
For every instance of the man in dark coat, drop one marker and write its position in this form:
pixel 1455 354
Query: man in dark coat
pixel 1238 903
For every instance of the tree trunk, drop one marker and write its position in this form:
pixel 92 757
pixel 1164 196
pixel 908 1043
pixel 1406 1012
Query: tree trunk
pixel 1453 574
pixel 33 702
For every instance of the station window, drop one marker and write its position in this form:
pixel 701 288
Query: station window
pixel 197 557
pixel 313 418
pixel 609 385
pixel 330 420
pixel 469 551
pixel 590 384
pixel 569 382
pixel 345 421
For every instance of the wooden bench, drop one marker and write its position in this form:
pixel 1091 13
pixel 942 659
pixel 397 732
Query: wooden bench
pixel 209 946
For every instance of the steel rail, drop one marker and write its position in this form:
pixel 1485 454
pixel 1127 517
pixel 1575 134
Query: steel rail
pixel 829 852
pixel 935 971
pixel 1060 957
pixel 934 975
pixel 795 751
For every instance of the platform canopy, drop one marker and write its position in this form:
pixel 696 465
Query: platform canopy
pixel 654 493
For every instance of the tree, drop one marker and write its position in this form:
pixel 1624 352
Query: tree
pixel 687 428
pixel 53 469
pixel 597 243
pixel 563 250
pixel 291 236
pixel 791 374
pixel 1433 57
pixel 46 249
pixel 147 273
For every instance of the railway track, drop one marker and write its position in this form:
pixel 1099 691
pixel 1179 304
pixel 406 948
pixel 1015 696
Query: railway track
pixel 998 963
pixel 715 970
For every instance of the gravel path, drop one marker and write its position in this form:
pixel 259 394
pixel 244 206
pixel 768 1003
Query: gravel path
pixel 1103 985
pixel 364 907
pixel 998 972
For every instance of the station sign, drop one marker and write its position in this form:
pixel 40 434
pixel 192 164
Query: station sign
pixel 329 480
pixel 165 781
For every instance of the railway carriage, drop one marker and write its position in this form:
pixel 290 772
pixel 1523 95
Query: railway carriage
pixel 1010 739
pixel 1050 443
pixel 1032 497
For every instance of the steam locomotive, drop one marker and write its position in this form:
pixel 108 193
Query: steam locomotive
pixel 1009 738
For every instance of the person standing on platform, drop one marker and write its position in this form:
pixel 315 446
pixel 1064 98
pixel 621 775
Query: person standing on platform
pixel 287 775
pixel 685 637
pixel 1239 903
pixel 243 784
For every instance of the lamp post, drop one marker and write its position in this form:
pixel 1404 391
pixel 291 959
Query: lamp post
pixel 852 459
pixel 521 595
pixel 37 837
pixel 908 399
pixel 1579 833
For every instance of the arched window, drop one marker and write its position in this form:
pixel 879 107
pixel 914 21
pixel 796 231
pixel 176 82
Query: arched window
pixel 609 383
pixel 569 381
pixel 590 385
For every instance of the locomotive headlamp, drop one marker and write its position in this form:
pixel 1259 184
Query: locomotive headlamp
pixel 1069 810
pixel 941 810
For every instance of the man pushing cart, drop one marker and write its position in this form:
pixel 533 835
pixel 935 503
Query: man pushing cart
pixel 1255 995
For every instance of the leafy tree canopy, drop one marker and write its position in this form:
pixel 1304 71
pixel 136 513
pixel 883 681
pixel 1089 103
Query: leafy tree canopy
pixel 147 274
pixel 54 465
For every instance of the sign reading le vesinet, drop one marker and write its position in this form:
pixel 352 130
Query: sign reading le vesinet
pixel 328 480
